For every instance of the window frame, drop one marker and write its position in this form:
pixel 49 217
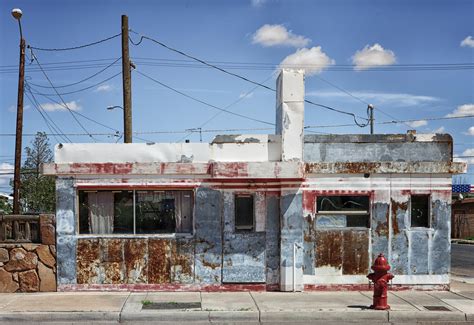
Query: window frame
pixel 135 234
pixel 242 229
pixel 367 213
pixel 428 195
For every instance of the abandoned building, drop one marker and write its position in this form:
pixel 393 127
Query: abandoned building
pixel 255 212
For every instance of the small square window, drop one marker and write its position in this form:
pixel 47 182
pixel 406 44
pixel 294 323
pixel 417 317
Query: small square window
pixel 244 213
pixel 420 211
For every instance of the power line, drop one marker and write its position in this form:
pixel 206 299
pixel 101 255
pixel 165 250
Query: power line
pixel 82 80
pixel 43 112
pixel 75 47
pixel 66 106
pixel 201 101
pixel 82 89
pixel 142 37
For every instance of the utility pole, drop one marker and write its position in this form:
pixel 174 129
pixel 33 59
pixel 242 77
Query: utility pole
pixel 127 83
pixel 16 13
pixel 371 118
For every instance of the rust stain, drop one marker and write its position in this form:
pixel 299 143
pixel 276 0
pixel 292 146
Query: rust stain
pixel 328 249
pixel 210 265
pixel 182 261
pixel 355 252
pixel 135 251
pixel 112 272
pixel 397 206
pixel 382 229
pixel 112 250
pixel 159 266
pixel 88 252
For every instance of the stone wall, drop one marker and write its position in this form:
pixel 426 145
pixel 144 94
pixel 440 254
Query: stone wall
pixel 30 267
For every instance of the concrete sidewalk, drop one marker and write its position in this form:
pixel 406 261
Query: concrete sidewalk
pixel 237 307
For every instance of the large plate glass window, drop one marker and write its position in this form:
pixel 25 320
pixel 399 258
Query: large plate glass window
pixel 135 212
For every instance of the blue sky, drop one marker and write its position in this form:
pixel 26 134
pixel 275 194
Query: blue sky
pixel 335 35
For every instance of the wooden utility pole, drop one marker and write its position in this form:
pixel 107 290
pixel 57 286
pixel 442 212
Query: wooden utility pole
pixel 19 130
pixel 127 84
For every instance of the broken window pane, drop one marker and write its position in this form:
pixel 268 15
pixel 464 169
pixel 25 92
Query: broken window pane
pixel 343 211
pixel 244 213
pixel 420 210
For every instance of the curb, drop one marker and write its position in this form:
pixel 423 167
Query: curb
pixel 462 241
pixel 40 317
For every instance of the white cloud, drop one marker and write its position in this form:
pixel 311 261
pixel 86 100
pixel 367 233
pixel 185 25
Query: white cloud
pixel 373 56
pixel 394 99
pixel 258 3
pixel 441 129
pixel 463 110
pixel 468 41
pixel 468 154
pixel 278 35
pixel 470 131
pixel 312 60
pixel 4 169
pixel 417 124
pixel 51 107
pixel 103 88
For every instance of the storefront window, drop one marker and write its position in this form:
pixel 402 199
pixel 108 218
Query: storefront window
pixel 135 212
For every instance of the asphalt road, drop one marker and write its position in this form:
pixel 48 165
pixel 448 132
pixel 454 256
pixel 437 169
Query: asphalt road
pixel 462 260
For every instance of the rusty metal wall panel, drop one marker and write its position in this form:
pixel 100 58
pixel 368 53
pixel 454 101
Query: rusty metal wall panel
pixel 88 261
pixel 441 244
pixel 355 252
pixel 182 259
pixel 208 232
pixel 380 228
pixel 136 260
pixel 272 239
pixel 243 252
pixel 399 237
pixel 244 258
pixel 419 252
pixel 329 248
pixel 159 261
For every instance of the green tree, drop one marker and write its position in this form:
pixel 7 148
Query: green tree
pixel 37 192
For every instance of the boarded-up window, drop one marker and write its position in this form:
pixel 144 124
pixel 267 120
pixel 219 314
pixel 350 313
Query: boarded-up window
pixel 343 211
pixel 135 212
pixel 244 213
pixel 420 211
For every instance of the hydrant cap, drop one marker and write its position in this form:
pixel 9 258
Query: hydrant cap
pixel 381 263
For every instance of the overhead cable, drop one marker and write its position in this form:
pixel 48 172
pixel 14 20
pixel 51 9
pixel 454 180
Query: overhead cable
pixel 80 81
pixel 82 89
pixel 75 47
pixel 201 101
pixel 59 95
pixel 142 37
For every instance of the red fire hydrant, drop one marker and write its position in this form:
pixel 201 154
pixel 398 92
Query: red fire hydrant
pixel 380 277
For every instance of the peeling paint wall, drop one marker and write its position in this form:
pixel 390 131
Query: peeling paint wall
pixel 334 254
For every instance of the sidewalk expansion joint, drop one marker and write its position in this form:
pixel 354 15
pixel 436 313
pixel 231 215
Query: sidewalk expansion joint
pixel 258 308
